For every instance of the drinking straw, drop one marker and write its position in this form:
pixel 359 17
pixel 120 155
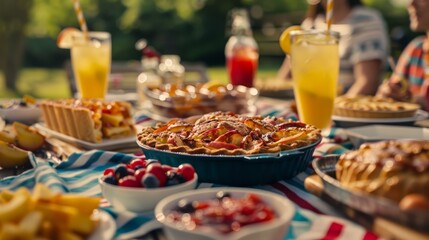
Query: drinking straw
pixel 329 12
pixel 80 17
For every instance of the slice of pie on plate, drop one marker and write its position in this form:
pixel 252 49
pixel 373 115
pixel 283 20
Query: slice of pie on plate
pixel 89 120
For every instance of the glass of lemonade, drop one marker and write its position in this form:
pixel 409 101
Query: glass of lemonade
pixel 91 60
pixel 315 67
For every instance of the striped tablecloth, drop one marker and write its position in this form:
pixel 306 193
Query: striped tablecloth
pixel 314 219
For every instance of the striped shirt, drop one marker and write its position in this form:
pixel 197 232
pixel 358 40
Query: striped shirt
pixel 363 37
pixel 411 65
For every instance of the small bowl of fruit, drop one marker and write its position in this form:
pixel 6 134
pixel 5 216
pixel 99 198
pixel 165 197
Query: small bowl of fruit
pixel 139 185
pixel 225 213
pixel 25 110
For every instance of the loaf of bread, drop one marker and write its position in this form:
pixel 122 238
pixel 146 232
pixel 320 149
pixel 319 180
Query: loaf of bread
pixel 89 120
pixel 391 169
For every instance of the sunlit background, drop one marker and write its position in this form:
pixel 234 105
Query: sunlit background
pixel 196 30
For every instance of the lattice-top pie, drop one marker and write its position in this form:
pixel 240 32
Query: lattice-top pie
pixel 226 133
pixel 391 169
pixel 373 107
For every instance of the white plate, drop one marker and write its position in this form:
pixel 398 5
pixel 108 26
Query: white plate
pixel 373 133
pixel 106 228
pixel 106 144
pixel 352 122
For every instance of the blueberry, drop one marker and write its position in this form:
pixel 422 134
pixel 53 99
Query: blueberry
pixel 173 178
pixel 221 195
pixel 121 171
pixel 150 181
pixel 185 206
pixel 22 103
pixel 138 167
pixel 110 180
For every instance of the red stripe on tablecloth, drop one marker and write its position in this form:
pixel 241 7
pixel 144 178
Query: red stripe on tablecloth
pixel 295 198
pixel 334 231
pixel 369 236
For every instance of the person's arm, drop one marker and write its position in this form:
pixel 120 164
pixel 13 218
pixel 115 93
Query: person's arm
pixel 284 71
pixel 423 98
pixel 397 86
pixel 366 75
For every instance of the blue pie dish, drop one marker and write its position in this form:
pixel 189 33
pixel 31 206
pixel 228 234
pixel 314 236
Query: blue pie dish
pixel 239 170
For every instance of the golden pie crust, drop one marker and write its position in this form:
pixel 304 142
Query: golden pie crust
pixel 391 169
pixel 373 107
pixel 227 133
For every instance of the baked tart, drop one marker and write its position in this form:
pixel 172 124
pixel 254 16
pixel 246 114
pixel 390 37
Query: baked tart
pixel 392 169
pixel 180 101
pixel 227 133
pixel 373 107
pixel 89 120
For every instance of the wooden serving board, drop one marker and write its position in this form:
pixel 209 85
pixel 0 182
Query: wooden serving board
pixel 381 226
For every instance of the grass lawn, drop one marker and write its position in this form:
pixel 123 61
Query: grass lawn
pixel 40 83
pixel 53 83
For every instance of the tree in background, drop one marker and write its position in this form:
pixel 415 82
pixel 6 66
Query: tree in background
pixel 14 16
pixel 194 29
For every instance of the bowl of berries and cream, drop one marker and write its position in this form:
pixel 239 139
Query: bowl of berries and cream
pixel 141 184
pixel 225 213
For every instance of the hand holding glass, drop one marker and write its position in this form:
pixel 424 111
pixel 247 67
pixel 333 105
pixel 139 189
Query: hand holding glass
pixel 315 67
pixel 91 60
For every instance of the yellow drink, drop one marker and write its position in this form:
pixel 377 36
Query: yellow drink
pixel 315 67
pixel 91 64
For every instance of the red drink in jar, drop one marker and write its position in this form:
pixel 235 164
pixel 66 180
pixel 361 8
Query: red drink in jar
pixel 241 50
pixel 242 66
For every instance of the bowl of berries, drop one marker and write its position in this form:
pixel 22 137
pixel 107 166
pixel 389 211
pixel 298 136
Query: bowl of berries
pixel 225 213
pixel 25 110
pixel 141 184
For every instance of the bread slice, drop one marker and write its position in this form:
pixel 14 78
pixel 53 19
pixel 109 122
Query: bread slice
pixel 89 120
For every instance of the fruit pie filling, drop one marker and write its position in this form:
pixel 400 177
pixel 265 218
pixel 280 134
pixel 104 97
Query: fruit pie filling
pixel 224 213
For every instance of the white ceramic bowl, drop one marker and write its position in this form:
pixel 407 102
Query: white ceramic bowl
pixel 141 199
pixel 26 115
pixel 273 230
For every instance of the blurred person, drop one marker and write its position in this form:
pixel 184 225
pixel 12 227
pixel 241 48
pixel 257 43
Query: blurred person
pixel 410 78
pixel 364 44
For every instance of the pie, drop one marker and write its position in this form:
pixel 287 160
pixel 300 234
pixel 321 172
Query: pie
pixel 89 120
pixel 373 107
pixel 227 133
pixel 172 100
pixel 391 169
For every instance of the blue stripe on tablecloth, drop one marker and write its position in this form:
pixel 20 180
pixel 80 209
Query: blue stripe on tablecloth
pixel 87 186
pixel 134 223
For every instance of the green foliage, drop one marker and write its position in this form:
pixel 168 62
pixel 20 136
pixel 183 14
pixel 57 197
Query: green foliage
pixel 194 29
